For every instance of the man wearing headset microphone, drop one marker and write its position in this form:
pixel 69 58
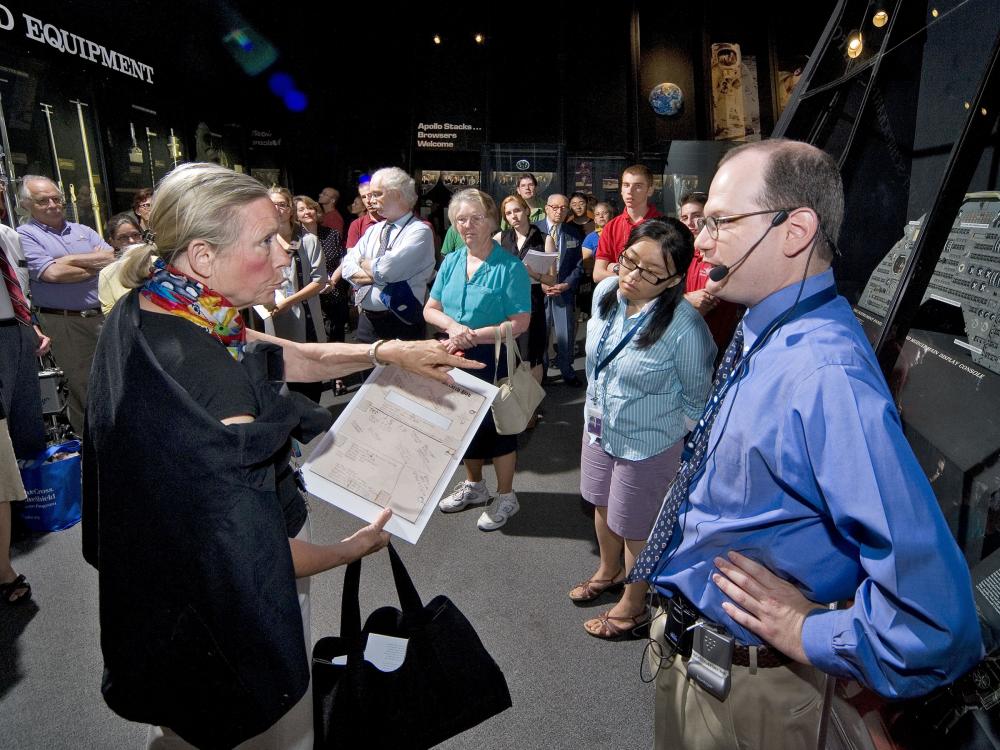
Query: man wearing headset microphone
pixel 797 490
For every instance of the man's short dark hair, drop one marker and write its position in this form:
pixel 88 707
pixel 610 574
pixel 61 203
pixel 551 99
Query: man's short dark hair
pixel 800 175
pixel 526 176
pixel 694 196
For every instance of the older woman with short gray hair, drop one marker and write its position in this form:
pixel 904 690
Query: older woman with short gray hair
pixel 478 287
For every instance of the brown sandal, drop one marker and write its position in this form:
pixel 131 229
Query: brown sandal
pixel 594 587
pixel 603 627
pixel 15 592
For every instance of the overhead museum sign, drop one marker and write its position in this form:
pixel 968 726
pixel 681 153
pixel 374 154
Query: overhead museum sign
pixel 448 136
pixel 74 44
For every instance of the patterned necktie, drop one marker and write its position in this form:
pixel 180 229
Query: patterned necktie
pixel 17 299
pixel 663 529
pixel 383 245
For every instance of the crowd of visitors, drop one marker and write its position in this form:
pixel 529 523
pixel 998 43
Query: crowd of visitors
pixel 177 316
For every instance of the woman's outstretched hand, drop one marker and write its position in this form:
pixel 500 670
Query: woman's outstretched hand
pixel 428 358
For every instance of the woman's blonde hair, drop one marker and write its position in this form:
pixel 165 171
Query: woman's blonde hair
pixel 195 201
pixel 514 199
pixel 311 204
pixel 285 193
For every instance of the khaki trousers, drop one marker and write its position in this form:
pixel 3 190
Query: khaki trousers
pixel 774 708
pixel 11 488
pixel 74 340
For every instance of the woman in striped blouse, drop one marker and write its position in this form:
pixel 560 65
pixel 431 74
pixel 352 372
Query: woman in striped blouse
pixel 649 367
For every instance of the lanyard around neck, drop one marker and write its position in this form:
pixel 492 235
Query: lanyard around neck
pixel 392 241
pixel 801 308
pixel 621 344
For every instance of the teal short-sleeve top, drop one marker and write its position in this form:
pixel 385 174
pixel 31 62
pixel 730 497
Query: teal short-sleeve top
pixel 498 289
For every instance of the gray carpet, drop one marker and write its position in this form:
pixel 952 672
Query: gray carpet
pixel 569 689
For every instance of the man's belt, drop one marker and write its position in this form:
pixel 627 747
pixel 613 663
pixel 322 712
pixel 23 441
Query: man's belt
pixel 681 615
pixel 90 313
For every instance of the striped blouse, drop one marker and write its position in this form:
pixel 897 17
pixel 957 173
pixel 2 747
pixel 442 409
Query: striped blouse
pixel 644 395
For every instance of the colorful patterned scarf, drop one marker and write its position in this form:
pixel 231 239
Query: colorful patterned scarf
pixel 181 295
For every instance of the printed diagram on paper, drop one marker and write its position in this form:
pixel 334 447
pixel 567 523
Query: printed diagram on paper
pixel 395 445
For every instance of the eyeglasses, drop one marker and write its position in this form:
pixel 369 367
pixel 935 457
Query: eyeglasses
pixel 131 238
pixel 470 220
pixel 558 208
pixel 281 206
pixel 43 202
pixel 712 223
pixel 648 276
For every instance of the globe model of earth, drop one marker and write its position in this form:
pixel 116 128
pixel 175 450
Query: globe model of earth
pixel 666 99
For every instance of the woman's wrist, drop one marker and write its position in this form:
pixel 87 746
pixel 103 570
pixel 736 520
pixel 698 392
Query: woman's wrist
pixel 391 352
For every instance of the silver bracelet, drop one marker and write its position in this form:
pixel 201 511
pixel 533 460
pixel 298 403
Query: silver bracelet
pixel 373 353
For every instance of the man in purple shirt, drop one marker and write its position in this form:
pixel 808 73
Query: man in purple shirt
pixel 64 260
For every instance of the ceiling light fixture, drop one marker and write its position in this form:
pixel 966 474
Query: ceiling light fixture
pixel 854 45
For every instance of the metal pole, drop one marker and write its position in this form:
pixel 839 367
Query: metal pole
pixel 149 147
pixel 7 176
pixel 94 201
pixel 47 109
pixel 175 149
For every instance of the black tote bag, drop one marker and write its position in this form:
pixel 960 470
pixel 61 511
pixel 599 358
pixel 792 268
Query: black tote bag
pixel 447 683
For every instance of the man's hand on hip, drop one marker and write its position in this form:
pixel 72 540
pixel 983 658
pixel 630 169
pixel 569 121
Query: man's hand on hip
pixel 764 604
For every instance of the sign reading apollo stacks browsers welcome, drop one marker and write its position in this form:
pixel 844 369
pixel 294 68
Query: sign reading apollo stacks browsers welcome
pixel 74 44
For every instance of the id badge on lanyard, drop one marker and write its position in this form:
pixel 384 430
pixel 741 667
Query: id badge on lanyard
pixel 592 411
pixel 594 417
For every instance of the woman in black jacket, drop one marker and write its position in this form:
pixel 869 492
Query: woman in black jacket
pixel 193 516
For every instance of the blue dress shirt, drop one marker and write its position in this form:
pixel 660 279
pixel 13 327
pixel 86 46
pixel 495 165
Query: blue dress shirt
pixel 808 472
pixel 409 258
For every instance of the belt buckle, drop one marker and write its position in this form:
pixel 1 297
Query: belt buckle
pixel 88 313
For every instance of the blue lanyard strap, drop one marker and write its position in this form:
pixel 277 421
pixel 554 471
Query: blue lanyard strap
pixel 803 307
pixel 621 344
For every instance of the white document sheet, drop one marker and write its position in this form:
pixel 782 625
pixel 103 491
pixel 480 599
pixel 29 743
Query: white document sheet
pixel 396 445
pixel 540 262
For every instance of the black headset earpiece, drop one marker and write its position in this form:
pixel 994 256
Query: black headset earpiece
pixel 779 218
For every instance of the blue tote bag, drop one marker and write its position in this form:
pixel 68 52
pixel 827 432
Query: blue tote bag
pixel 53 489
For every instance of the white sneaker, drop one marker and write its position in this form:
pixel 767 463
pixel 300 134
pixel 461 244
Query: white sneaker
pixel 465 493
pixel 498 514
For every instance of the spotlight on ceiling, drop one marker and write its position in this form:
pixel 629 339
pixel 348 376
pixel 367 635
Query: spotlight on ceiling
pixel 880 19
pixel 854 45
pixel 437 39
pixel 479 38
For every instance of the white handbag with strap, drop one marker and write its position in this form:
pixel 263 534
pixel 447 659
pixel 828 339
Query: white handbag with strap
pixel 520 394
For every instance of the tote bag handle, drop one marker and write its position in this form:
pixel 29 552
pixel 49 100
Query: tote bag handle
pixel 350 615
